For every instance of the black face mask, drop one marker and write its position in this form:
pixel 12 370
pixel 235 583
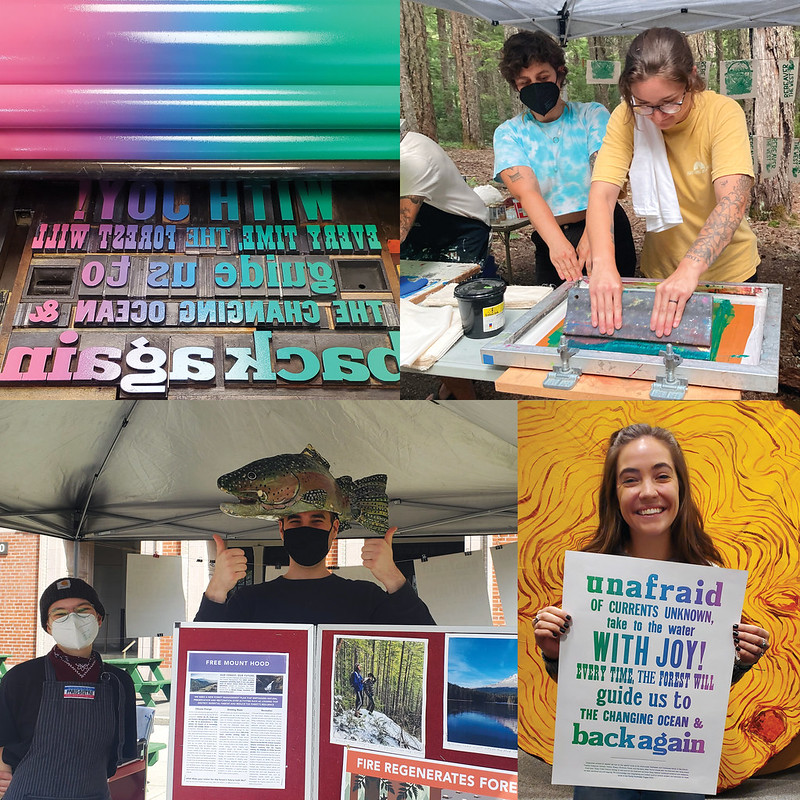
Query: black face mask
pixel 540 97
pixel 307 546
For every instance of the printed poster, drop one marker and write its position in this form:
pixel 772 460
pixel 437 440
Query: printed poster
pixel 794 175
pixel 378 691
pixel 235 720
pixel 602 71
pixel 644 672
pixel 736 78
pixel 769 161
pixel 480 710
pixel 383 775
pixel 788 71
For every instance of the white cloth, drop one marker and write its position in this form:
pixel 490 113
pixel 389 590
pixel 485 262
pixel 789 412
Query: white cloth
pixel 428 172
pixel 426 334
pixel 515 296
pixel 652 188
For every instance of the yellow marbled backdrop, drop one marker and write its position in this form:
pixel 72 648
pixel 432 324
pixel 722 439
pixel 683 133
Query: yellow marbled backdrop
pixel 744 462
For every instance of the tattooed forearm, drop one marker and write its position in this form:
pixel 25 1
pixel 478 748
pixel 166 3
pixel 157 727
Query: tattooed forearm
pixel 409 208
pixel 514 175
pixel 733 193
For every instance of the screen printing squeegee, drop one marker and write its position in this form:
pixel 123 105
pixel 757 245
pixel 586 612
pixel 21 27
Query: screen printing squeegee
pixel 637 308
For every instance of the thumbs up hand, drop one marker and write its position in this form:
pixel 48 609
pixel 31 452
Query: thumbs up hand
pixel 376 555
pixel 231 567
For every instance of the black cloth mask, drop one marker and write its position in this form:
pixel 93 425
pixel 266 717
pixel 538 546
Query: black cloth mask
pixel 306 545
pixel 540 97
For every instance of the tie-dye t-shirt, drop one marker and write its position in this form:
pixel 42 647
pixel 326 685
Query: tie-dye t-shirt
pixel 562 167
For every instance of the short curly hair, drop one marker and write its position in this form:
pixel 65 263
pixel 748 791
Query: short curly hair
pixel 528 47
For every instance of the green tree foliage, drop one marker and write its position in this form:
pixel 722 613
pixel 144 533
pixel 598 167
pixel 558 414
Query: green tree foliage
pixel 398 666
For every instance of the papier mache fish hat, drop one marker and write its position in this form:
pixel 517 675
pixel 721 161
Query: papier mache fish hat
pixel 279 486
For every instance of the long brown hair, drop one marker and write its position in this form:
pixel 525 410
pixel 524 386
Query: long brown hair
pixel 659 53
pixel 690 543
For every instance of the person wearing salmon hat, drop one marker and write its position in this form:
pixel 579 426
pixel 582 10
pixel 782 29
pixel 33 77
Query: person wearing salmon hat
pixel 309 592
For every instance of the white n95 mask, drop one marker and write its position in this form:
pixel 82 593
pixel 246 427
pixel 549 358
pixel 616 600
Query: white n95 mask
pixel 75 631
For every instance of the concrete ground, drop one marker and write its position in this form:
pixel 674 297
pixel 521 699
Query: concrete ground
pixel 534 784
pixel 157 774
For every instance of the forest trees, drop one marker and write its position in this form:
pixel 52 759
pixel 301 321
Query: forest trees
pixel 399 669
pixel 450 83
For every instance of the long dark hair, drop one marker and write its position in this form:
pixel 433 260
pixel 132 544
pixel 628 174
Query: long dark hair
pixel 690 543
pixel 659 53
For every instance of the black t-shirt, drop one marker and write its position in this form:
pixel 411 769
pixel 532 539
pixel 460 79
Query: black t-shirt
pixel 320 601
pixel 21 696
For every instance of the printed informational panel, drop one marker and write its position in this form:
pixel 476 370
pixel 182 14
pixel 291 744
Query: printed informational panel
pixel 235 720
pixel 156 287
pixel 644 672
pixel 403 715
pixel 241 712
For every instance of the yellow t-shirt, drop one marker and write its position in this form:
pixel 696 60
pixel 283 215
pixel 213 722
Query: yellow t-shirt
pixel 710 143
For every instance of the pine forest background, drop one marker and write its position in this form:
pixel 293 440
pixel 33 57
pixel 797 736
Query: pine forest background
pixel 399 669
pixel 452 90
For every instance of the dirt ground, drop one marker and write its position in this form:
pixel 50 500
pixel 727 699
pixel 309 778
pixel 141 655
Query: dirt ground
pixel 778 244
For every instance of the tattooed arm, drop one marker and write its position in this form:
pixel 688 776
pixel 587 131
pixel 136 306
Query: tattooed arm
pixel 523 185
pixel 733 197
pixel 409 208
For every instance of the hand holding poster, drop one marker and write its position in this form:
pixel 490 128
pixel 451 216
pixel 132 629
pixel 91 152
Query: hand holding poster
pixel 644 672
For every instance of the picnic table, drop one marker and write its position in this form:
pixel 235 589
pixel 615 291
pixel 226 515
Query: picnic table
pixel 145 687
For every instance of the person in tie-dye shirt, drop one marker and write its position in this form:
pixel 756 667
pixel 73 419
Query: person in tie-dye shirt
pixel 545 156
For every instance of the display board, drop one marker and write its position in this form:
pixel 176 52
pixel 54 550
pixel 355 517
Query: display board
pixel 270 711
pixel 241 712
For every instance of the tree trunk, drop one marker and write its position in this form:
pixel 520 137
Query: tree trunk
pixel 466 74
pixel 516 105
pixel 773 118
pixel 444 61
pixel 415 77
pixel 599 51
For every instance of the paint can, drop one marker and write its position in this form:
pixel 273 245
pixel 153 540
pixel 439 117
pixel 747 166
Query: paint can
pixel 480 303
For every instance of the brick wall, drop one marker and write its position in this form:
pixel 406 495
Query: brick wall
pixel 19 597
pixel 164 643
pixel 498 618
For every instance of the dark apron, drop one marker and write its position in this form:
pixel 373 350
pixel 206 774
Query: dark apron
pixel 69 753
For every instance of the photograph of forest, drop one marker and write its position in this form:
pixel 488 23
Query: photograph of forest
pixel 481 712
pixel 379 693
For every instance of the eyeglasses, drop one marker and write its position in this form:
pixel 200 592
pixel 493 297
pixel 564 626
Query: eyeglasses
pixel 665 108
pixel 61 614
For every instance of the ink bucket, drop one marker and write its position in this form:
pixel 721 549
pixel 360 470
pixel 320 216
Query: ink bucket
pixel 480 303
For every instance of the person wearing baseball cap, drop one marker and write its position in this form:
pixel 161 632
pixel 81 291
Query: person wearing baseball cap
pixel 66 719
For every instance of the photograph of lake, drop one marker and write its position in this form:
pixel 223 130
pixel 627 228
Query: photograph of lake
pixel 481 702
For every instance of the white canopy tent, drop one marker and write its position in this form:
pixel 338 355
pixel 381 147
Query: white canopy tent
pixel 147 470
pixel 574 19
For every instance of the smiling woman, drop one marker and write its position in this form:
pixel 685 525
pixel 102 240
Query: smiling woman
pixel 646 510
pixel 687 154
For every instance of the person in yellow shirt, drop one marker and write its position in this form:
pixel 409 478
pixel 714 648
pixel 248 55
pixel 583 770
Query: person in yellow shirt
pixel 708 156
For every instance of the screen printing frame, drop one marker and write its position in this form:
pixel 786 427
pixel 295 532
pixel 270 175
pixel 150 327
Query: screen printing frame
pixel 506 349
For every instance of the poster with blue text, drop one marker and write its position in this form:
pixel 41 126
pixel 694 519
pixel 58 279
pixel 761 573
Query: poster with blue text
pixel 644 672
